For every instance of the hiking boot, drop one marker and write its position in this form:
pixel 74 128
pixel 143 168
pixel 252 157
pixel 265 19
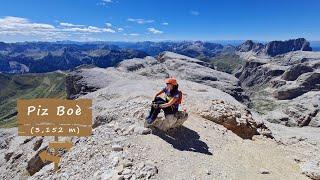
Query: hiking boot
pixel 150 120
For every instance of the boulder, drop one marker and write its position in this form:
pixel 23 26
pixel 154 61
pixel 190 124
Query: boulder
pixel 170 121
pixel 142 130
pixel 234 118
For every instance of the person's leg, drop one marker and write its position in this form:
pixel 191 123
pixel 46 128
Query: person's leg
pixel 155 110
pixel 170 110
pixel 150 112
pixel 157 100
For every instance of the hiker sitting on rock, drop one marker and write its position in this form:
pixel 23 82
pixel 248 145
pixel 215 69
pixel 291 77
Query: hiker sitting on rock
pixel 171 103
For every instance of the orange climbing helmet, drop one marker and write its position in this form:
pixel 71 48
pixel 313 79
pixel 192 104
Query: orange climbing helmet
pixel 171 80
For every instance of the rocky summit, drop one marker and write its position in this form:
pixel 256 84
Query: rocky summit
pixel 260 123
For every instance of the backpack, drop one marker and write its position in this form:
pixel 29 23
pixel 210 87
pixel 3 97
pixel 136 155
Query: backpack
pixel 180 98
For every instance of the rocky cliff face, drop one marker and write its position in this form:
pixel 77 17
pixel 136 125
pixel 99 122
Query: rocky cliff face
pixel 286 87
pixel 275 48
pixel 249 45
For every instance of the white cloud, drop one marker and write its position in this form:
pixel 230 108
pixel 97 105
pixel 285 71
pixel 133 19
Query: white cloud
pixel 108 24
pixel 108 30
pixel 195 13
pixel 70 25
pixel 105 2
pixel 165 23
pixel 22 27
pixel 120 29
pixel 133 34
pixel 17 23
pixel 140 21
pixel 89 29
pixel 154 30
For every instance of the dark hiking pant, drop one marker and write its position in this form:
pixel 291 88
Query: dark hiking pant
pixel 155 111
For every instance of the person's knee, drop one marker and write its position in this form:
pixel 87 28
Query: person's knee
pixel 158 99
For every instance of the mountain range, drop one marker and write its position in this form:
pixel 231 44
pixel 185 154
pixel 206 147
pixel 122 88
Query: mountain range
pixel 39 57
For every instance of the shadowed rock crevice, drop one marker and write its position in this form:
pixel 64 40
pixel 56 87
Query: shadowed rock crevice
pixel 35 164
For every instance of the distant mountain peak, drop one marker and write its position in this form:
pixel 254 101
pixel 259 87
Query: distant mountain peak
pixel 274 48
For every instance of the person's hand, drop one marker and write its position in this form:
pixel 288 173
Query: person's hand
pixel 155 105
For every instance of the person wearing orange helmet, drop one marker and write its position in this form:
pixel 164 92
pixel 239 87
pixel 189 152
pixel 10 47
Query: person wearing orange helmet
pixel 171 102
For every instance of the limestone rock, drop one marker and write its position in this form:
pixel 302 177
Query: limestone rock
pixel 236 119
pixel 264 171
pixel 117 147
pixel 170 121
pixel 311 169
pixel 274 48
pixel 142 130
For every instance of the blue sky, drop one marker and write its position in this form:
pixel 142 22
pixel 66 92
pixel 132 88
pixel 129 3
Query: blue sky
pixel 139 20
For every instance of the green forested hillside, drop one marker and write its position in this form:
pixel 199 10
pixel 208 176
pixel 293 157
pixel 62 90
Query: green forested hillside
pixel 228 63
pixel 27 86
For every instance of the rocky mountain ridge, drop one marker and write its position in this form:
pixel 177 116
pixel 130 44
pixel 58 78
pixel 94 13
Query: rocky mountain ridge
pixel 48 57
pixel 275 48
pixel 39 57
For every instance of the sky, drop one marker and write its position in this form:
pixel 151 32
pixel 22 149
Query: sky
pixel 158 20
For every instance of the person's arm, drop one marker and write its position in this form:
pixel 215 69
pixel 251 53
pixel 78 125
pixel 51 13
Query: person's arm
pixel 170 103
pixel 158 93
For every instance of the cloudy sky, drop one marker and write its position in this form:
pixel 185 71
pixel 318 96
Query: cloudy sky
pixel 139 20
